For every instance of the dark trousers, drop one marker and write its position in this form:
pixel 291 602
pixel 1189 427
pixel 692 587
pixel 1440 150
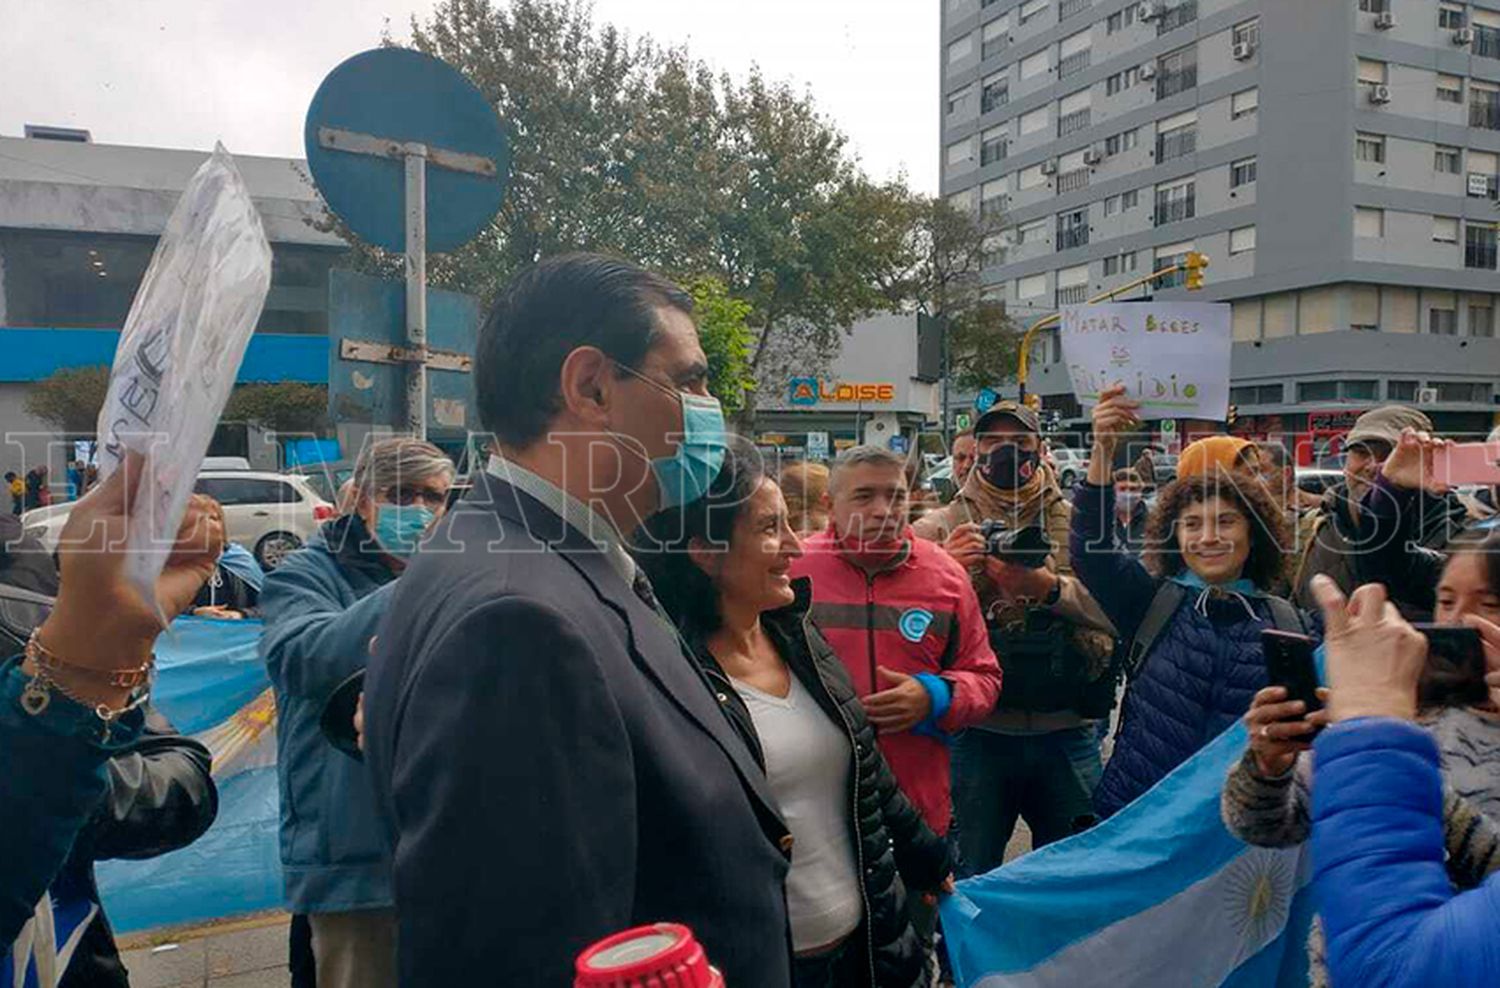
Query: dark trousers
pixel 836 968
pixel 1045 779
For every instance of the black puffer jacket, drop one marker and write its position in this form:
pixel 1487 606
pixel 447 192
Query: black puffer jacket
pixel 897 851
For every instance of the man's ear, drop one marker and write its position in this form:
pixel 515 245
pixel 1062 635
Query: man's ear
pixel 587 384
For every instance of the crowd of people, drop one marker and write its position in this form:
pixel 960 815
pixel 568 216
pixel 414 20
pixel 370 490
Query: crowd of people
pixel 639 674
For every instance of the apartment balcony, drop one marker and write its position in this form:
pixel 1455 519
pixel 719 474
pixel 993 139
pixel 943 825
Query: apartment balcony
pixel 1072 181
pixel 1073 64
pixel 1176 16
pixel 1175 210
pixel 1073 122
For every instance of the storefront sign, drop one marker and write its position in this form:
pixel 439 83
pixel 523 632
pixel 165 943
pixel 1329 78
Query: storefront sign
pixel 817 445
pixel 804 391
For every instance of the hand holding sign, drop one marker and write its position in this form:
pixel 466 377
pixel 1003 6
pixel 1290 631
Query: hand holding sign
pixel 1172 357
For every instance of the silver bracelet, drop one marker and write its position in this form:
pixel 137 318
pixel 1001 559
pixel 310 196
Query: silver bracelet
pixel 37 697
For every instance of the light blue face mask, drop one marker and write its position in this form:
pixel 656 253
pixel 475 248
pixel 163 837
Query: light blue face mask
pixel 399 527
pixel 684 476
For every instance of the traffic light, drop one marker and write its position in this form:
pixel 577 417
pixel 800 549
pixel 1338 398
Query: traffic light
pixel 1234 415
pixel 1195 263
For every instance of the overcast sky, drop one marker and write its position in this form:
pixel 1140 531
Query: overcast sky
pixel 184 73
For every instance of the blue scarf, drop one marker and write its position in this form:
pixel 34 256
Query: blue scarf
pixel 1241 590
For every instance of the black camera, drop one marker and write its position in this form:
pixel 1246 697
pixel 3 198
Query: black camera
pixel 1026 547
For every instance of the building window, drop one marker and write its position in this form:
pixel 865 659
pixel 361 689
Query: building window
pixel 1244 104
pixel 1442 322
pixel 1462 391
pixel 1311 391
pixel 1111 205
pixel 1176 141
pixel 1123 141
pixel 1371 73
pixel 1120 20
pixel 1450 16
pixel 1450 89
pixel 1375 6
pixel 1175 203
pixel 1401 390
pixel 1119 264
pixel 1446 159
pixel 1242 240
pixel 1068 8
pixel 1445 229
pixel 1032 287
pixel 1031 8
pixel 1481 320
pixel 993 200
pixel 1177 72
pixel 1121 81
pixel 1031 178
pixel 995 95
pixel 1073 112
pixel 961 49
pixel 960 153
pixel 1031 233
pixel 1248 33
pixel 1072 229
pixel 1034 65
pixel 1484 106
pixel 1479 246
pixel 1073 54
pixel 995 37
pixel 958 102
pixel 1130 200
pixel 1170 256
pixel 1180 14
pixel 1364 327
pixel 1486 36
pixel 1366 390
pixel 1242 173
pixel 1369 222
pixel 1256 394
pixel 1369 147
pixel 1034 121
pixel 993 147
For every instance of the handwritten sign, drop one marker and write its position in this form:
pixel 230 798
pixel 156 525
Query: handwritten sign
pixel 1173 357
pixel 179 353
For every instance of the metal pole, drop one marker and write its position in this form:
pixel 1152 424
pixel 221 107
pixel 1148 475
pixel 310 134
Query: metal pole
pixel 947 413
pixel 416 288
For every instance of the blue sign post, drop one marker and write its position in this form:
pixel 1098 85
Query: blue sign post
pixel 412 157
pixel 985 400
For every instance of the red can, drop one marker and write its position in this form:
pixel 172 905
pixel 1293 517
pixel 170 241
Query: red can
pixel 662 955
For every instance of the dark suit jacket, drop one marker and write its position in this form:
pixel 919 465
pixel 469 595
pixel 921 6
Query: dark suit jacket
pixel 553 768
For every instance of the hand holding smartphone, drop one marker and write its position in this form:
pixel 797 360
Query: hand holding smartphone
pixel 1454 675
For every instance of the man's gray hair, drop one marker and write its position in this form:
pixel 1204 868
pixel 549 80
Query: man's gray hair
pixel 864 456
pixel 386 464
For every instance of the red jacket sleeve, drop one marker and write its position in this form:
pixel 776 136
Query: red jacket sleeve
pixel 975 673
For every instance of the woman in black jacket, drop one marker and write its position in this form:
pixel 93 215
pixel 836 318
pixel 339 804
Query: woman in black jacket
pixel 721 567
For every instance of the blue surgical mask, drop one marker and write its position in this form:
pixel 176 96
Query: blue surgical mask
pixel 684 476
pixel 399 527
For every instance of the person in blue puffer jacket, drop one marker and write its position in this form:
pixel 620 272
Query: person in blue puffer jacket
pixel 1390 913
pixel 1219 538
pixel 321 608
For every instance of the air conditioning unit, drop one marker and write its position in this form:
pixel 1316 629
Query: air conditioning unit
pixel 1049 168
pixel 1243 51
pixel 1385 21
pixel 1380 94
pixel 1463 36
pixel 1153 11
pixel 1093 156
pixel 1148 71
pixel 1427 396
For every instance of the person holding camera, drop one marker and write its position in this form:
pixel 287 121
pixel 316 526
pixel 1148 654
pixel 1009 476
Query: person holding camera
pixel 1037 756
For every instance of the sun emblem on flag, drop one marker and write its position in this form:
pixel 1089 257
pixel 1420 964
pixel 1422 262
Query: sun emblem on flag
pixel 1260 886
pixel 246 740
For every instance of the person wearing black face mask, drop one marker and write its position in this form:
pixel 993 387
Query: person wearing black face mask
pixel 1037 756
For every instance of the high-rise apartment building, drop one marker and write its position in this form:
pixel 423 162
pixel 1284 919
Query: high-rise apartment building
pixel 1336 159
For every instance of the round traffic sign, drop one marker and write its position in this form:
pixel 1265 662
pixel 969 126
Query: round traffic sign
pixel 986 400
pixel 368 109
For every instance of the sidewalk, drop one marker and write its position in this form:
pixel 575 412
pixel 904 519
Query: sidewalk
pixel 248 953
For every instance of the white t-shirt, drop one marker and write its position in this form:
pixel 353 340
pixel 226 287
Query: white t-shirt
pixel 808 762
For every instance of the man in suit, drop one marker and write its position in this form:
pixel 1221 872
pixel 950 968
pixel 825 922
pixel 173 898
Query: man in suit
pixel 554 769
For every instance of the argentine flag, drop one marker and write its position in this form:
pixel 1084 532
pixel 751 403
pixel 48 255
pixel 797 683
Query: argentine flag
pixel 1159 894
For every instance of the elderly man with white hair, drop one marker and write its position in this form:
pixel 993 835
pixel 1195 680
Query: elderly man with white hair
pixel 321 608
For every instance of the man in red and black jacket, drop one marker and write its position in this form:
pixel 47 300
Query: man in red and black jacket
pixel 904 619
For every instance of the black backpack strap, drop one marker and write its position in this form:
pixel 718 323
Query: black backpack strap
pixel 1285 617
pixel 1169 596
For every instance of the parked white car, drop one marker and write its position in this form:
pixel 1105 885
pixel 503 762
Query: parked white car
pixel 1072 465
pixel 271 514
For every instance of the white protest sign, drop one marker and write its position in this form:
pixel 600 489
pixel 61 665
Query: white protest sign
pixel 179 353
pixel 1173 357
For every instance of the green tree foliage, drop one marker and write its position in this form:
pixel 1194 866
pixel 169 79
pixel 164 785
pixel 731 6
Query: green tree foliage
pixel 727 340
pixel 625 147
pixel 286 406
pixel 70 399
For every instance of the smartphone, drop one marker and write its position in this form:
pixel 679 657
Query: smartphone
pixel 1454 675
pixel 1468 463
pixel 1289 663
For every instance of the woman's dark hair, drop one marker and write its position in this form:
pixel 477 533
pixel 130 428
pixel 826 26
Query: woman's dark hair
pixel 1269 537
pixel 661 546
pixel 547 312
pixel 1443 683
